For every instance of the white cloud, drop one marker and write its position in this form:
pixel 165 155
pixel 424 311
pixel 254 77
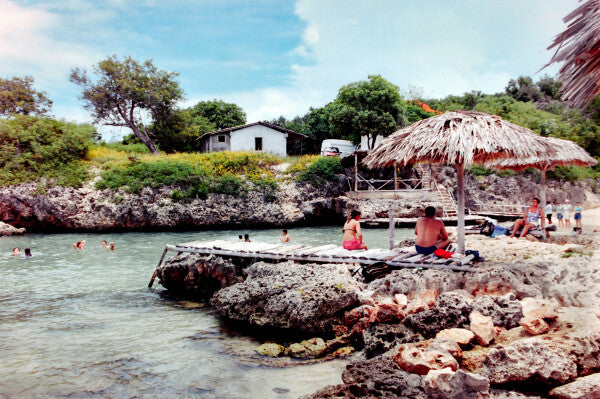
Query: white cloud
pixel 444 48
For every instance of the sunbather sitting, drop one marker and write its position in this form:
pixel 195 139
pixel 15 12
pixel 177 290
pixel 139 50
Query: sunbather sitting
pixel 431 233
pixel 532 217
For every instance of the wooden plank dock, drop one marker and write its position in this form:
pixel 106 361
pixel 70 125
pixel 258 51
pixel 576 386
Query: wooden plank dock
pixel 411 222
pixel 329 253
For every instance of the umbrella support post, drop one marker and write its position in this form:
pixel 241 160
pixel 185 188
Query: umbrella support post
pixel 460 187
pixel 392 226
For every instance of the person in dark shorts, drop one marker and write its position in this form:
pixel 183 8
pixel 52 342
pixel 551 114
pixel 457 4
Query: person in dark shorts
pixel 431 233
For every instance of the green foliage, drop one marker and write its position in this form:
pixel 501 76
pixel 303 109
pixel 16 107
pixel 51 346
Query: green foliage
pixel 123 89
pixel 321 171
pixel 191 175
pixel 179 130
pixel 17 96
pixel 573 173
pixel 477 170
pixel 219 113
pixel 35 147
pixel 372 107
pixel 138 147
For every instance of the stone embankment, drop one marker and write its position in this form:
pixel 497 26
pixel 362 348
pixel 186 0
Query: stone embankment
pixel 514 329
pixel 56 208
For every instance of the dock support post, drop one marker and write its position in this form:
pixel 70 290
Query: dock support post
pixel 392 225
pixel 355 172
pixel 157 266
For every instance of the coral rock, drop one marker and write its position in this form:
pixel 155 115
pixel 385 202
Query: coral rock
pixel 309 348
pixel 448 384
pixel 483 328
pixel 534 326
pixel 582 388
pixel 461 336
pixel 270 349
pixel 420 360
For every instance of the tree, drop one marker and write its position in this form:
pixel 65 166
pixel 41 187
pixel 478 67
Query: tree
pixel 126 92
pixel 219 113
pixel 523 89
pixel 179 130
pixel 17 96
pixel 373 107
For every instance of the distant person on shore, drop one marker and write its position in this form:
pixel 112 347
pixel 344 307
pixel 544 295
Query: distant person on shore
pixel 353 238
pixel 431 233
pixel 559 214
pixel 79 244
pixel 246 238
pixel 532 217
pixel 16 252
pixel 285 237
pixel 548 211
pixel 111 246
pixel 28 253
pixel 577 215
pixel 567 213
pixel 104 244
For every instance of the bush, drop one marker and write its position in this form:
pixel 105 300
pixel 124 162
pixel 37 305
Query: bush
pixel 477 170
pixel 321 171
pixel 32 148
pixel 573 173
pixel 192 175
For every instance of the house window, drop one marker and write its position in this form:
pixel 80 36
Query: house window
pixel 221 138
pixel 258 143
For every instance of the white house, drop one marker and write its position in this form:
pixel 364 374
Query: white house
pixel 258 136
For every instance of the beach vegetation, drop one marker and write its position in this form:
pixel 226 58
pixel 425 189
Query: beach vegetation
pixel 32 148
pixel 18 97
pixel 320 171
pixel 125 91
pixel 190 175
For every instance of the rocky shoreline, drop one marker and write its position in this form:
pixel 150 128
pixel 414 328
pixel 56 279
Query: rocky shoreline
pixel 526 328
pixel 40 208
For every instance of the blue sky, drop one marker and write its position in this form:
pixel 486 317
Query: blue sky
pixel 281 57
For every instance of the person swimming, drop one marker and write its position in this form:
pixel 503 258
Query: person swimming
pixel 16 252
pixel 285 237
pixel 353 238
pixel 28 253
pixel 79 244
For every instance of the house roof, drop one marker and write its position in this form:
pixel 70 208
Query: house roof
pixel 292 135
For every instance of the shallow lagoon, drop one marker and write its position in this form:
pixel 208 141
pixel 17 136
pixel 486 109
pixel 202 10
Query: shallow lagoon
pixel 83 324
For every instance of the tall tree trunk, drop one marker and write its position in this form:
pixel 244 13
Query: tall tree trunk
pixel 144 138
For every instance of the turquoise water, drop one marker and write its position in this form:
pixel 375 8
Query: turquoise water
pixel 82 324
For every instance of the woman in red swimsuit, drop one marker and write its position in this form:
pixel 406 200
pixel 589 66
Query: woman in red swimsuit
pixel 353 238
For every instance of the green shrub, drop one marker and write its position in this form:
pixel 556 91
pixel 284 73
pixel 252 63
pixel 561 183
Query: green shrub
pixel 35 147
pixel 139 148
pixel 477 170
pixel 573 173
pixel 191 175
pixel 321 171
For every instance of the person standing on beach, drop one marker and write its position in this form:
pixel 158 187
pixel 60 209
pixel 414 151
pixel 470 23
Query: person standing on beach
pixel 548 210
pixel 577 216
pixel 559 214
pixel 431 233
pixel 353 238
pixel 567 213
pixel 532 217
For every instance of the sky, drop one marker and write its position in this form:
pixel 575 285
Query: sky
pixel 279 58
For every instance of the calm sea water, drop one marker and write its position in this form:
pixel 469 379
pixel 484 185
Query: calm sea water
pixel 82 324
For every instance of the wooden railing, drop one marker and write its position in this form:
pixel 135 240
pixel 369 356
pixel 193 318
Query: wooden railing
pixel 392 184
pixel 500 209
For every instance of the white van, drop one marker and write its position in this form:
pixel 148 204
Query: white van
pixel 335 147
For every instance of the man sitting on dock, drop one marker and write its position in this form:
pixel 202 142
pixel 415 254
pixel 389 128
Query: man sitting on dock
pixel 431 233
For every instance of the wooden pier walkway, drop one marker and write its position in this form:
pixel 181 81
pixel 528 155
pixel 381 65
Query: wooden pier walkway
pixel 329 253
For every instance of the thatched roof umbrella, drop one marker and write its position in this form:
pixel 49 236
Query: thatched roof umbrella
pixel 565 153
pixel 461 138
pixel 579 48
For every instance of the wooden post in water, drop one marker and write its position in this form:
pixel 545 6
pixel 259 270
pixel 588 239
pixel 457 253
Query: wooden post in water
pixel 392 225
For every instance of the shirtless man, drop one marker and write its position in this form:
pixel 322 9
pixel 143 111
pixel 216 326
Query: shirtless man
pixel 431 233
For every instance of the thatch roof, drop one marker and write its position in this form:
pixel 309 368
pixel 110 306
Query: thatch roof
pixel 565 153
pixel 579 48
pixel 458 137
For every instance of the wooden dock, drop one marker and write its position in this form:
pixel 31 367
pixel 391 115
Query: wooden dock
pixel 410 222
pixel 329 253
